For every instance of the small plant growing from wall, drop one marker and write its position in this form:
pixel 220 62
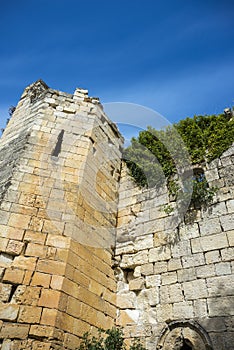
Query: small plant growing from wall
pixel 110 339
pixel 10 112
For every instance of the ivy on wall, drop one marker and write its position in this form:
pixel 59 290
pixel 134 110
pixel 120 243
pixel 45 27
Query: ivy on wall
pixel 154 156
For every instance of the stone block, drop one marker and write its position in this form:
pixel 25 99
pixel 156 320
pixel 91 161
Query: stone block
pixel 183 310
pixel 214 211
pixel 153 281
pixel 141 258
pixel 171 294
pixel 4 217
pixel 212 174
pixel 174 264
pixel 230 206
pixel 128 317
pixel 11 232
pixel 41 331
pixel 193 260
pixel 51 267
pixel 57 282
pixel 58 241
pixel 71 341
pixel 14 330
pixel 164 312
pixel 220 285
pixel 205 271
pixel 164 296
pixel 27 277
pixel 227 254
pixel 144 242
pixel 14 247
pixel 147 269
pixel 39 345
pixel 223 268
pixel 159 254
pixel 160 266
pixel 35 237
pixel 5 291
pixel 212 257
pixel 169 277
pixel 137 283
pixel 189 231
pixel 230 236
pixel 195 289
pixel 185 275
pixel 214 324
pixel 137 272
pixel 25 263
pixel 227 222
pixel 148 296
pixel 36 250
pixel 222 306
pixel 207 243
pixel 13 275
pixel 3 244
pixel 160 238
pixel 29 314
pixel 182 248
pixel 49 298
pixel 26 295
pixel 9 312
pixel 41 279
pixel 175 293
pixel 200 308
pixel 210 227
pixel 49 317
pixel 28 198
pixel 19 221
pixel 126 300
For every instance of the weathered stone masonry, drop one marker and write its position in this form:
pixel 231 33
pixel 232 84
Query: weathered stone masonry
pixel 176 284
pixel 66 201
pixel 56 281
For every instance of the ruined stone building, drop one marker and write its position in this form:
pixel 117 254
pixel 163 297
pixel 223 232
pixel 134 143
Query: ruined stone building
pixel 83 247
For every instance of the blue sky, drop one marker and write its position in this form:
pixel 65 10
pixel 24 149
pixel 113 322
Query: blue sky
pixel 173 56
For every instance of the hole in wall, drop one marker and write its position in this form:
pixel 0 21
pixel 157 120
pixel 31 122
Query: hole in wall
pixel 128 275
pixel 13 289
pixel 58 146
pixel 186 345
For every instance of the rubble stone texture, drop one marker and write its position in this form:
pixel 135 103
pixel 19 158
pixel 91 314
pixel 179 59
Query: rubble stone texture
pixel 83 247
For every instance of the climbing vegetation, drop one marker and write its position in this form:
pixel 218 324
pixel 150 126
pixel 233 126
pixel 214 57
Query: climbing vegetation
pixel 156 156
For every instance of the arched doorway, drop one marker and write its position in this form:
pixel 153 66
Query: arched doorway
pixel 184 335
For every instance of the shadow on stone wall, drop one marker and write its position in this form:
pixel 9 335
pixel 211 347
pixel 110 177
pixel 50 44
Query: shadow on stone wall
pixel 220 324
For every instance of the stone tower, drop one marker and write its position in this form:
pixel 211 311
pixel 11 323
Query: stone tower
pixel 83 247
pixel 59 173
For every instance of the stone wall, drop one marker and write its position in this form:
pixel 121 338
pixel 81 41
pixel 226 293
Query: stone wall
pixel 60 165
pixel 175 280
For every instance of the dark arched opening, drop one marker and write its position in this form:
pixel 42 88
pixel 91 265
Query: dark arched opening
pixel 186 345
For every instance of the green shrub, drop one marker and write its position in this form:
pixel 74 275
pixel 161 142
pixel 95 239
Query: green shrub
pixel 110 339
